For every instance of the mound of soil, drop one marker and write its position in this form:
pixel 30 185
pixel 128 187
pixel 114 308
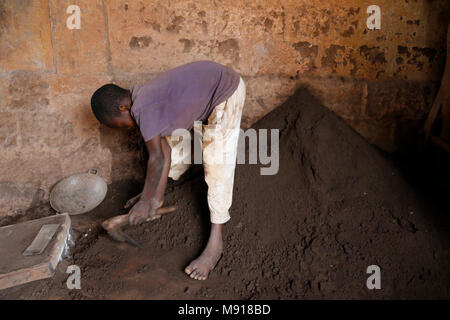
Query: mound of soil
pixel 336 206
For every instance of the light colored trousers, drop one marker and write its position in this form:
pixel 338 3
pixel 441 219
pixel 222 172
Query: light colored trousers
pixel 219 150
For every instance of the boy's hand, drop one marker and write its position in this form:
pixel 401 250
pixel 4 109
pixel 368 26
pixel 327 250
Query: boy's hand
pixel 143 210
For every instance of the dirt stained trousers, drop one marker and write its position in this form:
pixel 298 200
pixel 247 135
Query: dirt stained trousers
pixel 219 142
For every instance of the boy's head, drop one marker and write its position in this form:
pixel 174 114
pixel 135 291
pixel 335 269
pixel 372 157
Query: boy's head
pixel 111 106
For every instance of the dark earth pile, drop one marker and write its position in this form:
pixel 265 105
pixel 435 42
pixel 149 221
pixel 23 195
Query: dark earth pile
pixel 336 206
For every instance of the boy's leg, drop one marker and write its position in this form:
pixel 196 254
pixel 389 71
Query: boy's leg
pixel 180 155
pixel 220 141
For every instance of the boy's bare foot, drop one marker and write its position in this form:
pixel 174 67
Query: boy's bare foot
pixel 199 268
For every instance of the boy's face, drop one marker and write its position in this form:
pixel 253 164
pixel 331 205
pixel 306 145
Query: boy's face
pixel 124 120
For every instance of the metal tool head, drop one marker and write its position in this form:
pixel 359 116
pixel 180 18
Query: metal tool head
pixel 130 240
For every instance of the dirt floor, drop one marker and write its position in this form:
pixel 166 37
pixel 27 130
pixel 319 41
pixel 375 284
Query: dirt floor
pixel 336 206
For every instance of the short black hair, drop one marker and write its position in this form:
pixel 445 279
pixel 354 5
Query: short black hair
pixel 106 100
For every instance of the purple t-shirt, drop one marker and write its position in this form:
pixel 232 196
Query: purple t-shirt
pixel 178 97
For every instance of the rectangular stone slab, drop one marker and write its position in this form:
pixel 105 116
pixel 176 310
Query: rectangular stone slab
pixel 42 239
pixel 16 268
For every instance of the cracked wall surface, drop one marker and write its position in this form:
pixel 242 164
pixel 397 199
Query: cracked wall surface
pixel 381 82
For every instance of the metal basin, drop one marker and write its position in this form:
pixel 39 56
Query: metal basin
pixel 79 193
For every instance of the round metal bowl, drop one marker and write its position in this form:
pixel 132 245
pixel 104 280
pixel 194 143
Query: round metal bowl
pixel 78 193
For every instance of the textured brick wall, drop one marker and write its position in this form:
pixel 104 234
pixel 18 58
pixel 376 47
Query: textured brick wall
pixel 381 82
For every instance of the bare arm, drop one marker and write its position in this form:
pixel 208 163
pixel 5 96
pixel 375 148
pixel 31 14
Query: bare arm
pixel 159 194
pixel 161 188
pixel 155 182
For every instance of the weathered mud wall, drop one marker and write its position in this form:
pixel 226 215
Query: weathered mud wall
pixel 382 81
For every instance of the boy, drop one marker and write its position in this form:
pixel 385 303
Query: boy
pixel 199 91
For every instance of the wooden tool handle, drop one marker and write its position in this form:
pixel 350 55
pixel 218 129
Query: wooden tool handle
pixel 122 220
pixel 164 210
